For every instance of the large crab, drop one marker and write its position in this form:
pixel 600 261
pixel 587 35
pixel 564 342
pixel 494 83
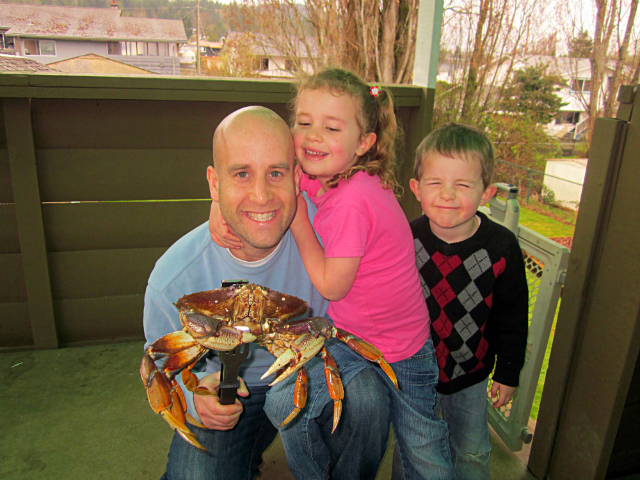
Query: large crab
pixel 225 318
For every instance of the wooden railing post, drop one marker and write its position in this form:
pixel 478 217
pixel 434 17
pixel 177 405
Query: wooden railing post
pixel 24 178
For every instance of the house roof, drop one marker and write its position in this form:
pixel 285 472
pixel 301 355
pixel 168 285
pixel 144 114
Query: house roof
pixel 93 63
pixel 12 63
pixel 49 21
pixel 260 44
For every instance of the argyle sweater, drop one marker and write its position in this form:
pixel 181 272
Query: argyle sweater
pixel 477 295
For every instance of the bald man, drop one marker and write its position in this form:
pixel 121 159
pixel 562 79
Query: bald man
pixel 253 185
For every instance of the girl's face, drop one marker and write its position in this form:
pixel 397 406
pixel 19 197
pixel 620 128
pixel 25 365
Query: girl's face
pixel 326 134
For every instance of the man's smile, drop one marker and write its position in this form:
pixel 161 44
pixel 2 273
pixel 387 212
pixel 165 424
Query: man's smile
pixel 261 217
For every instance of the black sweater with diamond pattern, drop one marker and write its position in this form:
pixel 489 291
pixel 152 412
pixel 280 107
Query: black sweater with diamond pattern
pixel 477 295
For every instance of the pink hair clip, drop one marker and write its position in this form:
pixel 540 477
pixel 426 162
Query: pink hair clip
pixel 375 91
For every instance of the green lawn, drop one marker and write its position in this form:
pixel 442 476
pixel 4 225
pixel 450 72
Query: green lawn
pixel 545 225
pixel 543 371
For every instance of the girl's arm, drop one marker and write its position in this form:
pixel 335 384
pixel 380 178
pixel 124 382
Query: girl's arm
pixel 219 229
pixel 332 277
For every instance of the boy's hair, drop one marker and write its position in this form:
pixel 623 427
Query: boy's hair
pixel 375 114
pixel 461 141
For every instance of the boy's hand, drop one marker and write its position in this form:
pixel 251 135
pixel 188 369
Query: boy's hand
pixel 503 392
pixel 212 413
pixel 219 229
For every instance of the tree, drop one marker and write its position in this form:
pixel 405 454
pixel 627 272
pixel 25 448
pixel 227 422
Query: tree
pixel 581 46
pixel 532 92
pixel 375 39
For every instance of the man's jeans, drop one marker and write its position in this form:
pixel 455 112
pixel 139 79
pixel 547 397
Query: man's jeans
pixel 466 414
pixel 355 449
pixel 232 455
pixel 421 436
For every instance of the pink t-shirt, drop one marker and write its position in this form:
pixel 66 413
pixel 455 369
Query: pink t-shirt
pixel 385 306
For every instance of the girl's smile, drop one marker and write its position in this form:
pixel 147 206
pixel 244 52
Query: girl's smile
pixel 326 134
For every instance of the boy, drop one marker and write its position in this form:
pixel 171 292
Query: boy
pixel 473 278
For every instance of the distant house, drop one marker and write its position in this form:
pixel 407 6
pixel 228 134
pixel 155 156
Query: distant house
pixel 13 64
pixel 565 179
pixel 92 63
pixel 270 61
pixel 47 34
pixel 571 123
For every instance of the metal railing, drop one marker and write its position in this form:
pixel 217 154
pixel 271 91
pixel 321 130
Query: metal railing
pixel 546 264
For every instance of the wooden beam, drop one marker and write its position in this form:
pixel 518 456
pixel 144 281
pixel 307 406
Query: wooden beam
pixel 24 177
pixel 596 343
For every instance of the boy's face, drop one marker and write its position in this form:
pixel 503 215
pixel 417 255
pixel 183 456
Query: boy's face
pixel 450 192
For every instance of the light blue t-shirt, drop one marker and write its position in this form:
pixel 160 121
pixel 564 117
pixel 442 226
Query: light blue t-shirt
pixel 195 263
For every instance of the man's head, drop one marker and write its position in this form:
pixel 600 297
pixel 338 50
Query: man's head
pixel 453 170
pixel 254 178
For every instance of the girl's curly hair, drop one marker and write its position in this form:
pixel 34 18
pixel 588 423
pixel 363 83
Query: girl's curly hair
pixel 375 115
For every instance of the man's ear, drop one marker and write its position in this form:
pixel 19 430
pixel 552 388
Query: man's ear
pixel 297 175
pixel 414 185
pixel 212 179
pixel 366 142
pixel 488 194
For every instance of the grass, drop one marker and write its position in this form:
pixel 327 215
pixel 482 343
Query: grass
pixel 543 371
pixel 545 225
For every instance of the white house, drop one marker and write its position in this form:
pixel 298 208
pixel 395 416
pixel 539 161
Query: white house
pixel 571 124
pixel 565 178
pixel 270 60
pixel 47 33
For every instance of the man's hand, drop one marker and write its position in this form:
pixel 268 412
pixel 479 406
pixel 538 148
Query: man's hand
pixel 503 392
pixel 219 230
pixel 212 414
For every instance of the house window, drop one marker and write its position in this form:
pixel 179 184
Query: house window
pixel 264 64
pixel 288 64
pixel 580 85
pixel 114 48
pixel 568 117
pixel 46 47
pixel 134 48
pixel 152 48
pixel 30 47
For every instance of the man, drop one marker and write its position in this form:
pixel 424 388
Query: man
pixel 253 184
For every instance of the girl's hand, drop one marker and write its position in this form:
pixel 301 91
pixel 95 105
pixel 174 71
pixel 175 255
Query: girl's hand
pixel 219 230
pixel 302 216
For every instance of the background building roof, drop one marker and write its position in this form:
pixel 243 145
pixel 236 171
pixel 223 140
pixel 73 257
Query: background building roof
pixel 11 63
pixel 49 21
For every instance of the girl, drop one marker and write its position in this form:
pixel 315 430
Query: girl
pixel 344 134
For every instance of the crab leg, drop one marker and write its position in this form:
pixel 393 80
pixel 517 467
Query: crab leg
pixel 166 399
pixel 334 385
pixel 299 396
pixel 367 350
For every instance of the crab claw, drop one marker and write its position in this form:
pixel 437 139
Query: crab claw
pixel 294 357
pixel 166 399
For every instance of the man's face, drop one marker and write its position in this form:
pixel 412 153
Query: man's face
pixel 255 183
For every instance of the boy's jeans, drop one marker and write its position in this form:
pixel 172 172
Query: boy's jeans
pixel 421 436
pixel 466 414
